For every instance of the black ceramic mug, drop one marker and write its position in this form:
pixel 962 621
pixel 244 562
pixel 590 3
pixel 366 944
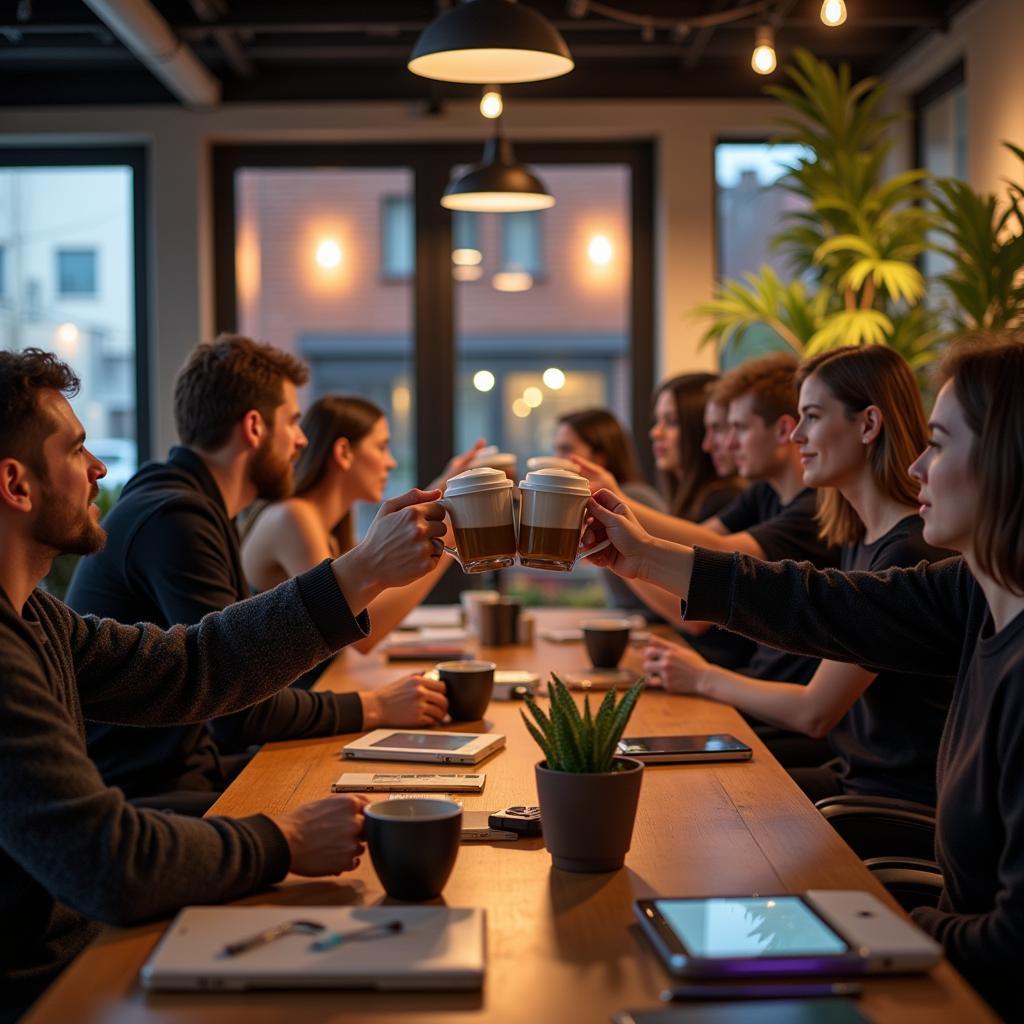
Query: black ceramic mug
pixel 468 686
pixel 606 640
pixel 413 845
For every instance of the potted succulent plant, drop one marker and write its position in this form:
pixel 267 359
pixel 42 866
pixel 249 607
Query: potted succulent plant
pixel 587 794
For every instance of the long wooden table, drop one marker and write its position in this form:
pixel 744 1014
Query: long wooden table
pixel 561 947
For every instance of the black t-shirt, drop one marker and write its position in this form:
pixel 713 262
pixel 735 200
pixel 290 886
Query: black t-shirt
pixel 783 531
pixel 889 740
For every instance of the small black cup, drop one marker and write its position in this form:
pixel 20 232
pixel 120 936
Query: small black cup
pixel 499 622
pixel 606 640
pixel 413 845
pixel 468 686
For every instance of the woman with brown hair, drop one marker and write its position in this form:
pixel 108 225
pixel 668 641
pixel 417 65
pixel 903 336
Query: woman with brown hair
pixel 965 614
pixel 861 425
pixel 348 459
pixel 699 477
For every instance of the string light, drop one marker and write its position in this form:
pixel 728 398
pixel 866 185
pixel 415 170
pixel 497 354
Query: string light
pixel 833 12
pixel 763 59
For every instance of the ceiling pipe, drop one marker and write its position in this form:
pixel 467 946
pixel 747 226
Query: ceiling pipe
pixel 148 36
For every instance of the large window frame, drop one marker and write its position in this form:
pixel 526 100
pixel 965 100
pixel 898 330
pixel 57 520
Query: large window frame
pixel 433 328
pixel 137 159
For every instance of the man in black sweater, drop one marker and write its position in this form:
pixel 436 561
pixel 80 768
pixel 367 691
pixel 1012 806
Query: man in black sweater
pixel 172 556
pixel 72 850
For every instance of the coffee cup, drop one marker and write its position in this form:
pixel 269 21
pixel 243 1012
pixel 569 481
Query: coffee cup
pixel 606 640
pixel 413 845
pixel 491 457
pixel 550 462
pixel 479 504
pixel 468 686
pixel 551 519
pixel 499 622
pixel 471 600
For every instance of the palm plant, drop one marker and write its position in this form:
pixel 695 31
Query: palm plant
pixel 855 245
pixel 580 743
pixel 985 244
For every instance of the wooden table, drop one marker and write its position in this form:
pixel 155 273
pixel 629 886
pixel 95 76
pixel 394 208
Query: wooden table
pixel 561 947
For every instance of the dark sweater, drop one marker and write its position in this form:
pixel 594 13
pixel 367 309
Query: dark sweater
pixel 72 850
pixel 172 556
pixel 924 619
pixel 783 531
pixel 888 741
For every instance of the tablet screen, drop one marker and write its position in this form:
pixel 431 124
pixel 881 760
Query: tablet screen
pixel 422 741
pixel 779 926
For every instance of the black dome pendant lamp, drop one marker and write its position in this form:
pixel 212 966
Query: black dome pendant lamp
pixel 498 184
pixel 490 42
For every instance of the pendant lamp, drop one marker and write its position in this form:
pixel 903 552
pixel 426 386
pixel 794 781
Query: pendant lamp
pixel 490 42
pixel 498 184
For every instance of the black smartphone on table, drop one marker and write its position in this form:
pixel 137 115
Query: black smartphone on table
pixel 682 749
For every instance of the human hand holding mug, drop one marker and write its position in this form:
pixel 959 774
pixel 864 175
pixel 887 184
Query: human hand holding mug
pixel 324 837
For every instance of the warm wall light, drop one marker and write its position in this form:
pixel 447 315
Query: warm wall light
pixel 68 336
pixel 600 251
pixel 520 408
pixel 483 380
pixel 401 400
pixel 469 273
pixel 833 12
pixel 328 254
pixel 491 104
pixel 553 378
pixel 533 396
pixel 763 60
pixel 466 257
pixel 512 281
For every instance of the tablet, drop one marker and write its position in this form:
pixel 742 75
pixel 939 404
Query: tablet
pixel 675 749
pixel 424 745
pixel 822 932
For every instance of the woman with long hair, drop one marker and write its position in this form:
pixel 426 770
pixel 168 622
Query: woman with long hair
pixel 965 612
pixel 348 459
pixel 697 485
pixel 861 425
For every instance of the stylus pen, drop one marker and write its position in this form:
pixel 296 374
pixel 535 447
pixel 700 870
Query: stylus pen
pixel 804 990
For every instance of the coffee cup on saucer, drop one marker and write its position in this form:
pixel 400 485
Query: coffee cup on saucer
pixel 479 504
pixel 551 519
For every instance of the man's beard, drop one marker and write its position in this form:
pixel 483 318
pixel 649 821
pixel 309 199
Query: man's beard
pixel 271 476
pixel 67 529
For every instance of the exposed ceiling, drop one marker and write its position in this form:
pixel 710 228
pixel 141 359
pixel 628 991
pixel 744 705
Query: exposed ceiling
pixel 60 52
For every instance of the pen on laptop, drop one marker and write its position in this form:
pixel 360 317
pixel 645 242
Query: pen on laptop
pixel 270 934
pixel 337 938
pixel 803 990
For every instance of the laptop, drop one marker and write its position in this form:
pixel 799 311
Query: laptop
pixel 437 948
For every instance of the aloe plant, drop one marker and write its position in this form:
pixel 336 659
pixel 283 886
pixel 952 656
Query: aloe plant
pixel 575 742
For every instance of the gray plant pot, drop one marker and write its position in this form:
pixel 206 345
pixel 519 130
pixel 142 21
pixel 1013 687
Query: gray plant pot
pixel 588 819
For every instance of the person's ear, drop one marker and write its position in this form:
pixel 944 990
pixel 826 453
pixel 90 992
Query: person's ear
pixel 343 453
pixel 254 428
pixel 16 486
pixel 784 427
pixel 871 424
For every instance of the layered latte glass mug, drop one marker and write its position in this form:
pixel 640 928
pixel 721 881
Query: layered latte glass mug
pixel 551 519
pixel 479 504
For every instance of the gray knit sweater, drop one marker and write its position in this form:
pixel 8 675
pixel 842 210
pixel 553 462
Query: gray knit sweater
pixel 72 851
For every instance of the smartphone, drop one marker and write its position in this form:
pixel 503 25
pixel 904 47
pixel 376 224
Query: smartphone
pixel 681 749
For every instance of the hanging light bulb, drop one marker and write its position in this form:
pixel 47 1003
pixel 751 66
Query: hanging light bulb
pixel 763 60
pixel 483 41
pixel 491 104
pixel 833 12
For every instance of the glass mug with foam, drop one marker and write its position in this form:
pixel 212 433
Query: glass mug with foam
pixel 551 519
pixel 479 504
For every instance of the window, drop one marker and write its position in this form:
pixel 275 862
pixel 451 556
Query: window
pixel 398 238
pixel 522 243
pixel 76 272
pixel 465 230
pixel 750 208
pixel 50 261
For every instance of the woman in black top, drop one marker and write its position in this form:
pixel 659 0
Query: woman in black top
pixel 968 612
pixel 861 424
